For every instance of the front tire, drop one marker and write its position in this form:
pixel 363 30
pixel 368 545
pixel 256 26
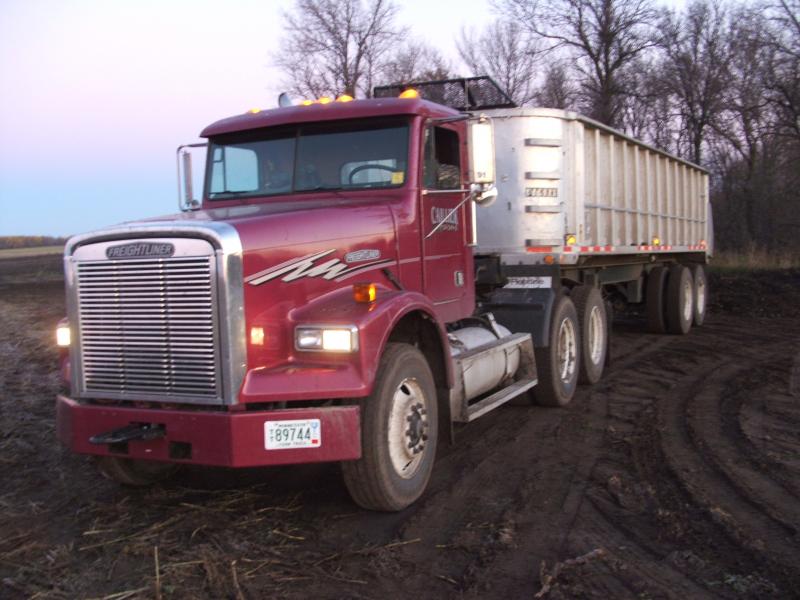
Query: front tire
pixel 558 365
pixel 398 433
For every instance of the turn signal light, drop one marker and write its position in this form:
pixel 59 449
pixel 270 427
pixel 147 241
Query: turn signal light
pixel 257 336
pixel 365 292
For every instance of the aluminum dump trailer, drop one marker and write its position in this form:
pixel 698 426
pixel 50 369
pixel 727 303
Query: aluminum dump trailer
pixel 571 187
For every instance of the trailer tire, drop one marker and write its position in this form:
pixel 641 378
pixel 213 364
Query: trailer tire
pixel 680 300
pixel 654 300
pixel 700 294
pixel 610 317
pixel 396 462
pixel 135 473
pixel 593 323
pixel 558 365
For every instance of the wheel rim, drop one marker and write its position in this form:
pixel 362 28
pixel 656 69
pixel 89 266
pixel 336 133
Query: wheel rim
pixel 408 428
pixel 567 350
pixel 701 297
pixel 686 298
pixel 596 335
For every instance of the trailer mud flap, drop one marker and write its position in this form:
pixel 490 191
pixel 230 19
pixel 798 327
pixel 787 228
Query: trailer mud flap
pixel 524 311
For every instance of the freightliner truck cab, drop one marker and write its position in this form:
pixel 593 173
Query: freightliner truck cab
pixel 318 304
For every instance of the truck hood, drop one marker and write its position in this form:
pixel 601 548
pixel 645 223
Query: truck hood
pixel 281 224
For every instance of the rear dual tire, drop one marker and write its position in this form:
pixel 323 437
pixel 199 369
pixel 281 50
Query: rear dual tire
pixel 558 365
pixel 594 326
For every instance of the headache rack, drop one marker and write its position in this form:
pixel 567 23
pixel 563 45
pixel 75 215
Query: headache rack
pixel 463 93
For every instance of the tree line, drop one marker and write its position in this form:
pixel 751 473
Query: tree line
pixel 30 241
pixel 716 83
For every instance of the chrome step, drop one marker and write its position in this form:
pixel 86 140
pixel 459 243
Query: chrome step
pixel 500 397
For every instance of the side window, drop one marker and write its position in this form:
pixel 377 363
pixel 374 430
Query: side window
pixel 442 168
pixel 234 169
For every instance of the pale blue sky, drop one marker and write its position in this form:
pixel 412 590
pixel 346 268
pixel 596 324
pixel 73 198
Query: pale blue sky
pixel 95 95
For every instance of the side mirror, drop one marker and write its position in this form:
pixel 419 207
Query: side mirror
pixel 481 151
pixel 186 199
pixel 483 195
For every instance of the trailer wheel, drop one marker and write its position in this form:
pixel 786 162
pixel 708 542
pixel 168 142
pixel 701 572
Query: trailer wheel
pixel 680 300
pixel 135 473
pixel 398 433
pixel 593 324
pixel 700 294
pixel 558 364
pixel 654 300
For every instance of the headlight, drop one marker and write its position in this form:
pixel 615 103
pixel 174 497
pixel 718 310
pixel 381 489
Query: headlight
pixel 326 339
pixel 63 337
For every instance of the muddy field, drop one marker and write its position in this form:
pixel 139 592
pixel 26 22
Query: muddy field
pixel 678 476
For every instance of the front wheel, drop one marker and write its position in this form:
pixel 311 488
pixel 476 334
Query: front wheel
pixel 398 433
pixel 558 364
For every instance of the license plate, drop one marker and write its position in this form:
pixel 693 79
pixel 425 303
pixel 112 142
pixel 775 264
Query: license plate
pixel 284 435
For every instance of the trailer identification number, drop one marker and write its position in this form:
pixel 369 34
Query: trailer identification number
pixel 529 283
pixel 286 435
pixel 541 192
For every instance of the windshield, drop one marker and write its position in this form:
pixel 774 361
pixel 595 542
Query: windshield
pixel 309 157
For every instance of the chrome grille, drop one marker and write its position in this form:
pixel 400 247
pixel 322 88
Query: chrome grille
pixel 148 327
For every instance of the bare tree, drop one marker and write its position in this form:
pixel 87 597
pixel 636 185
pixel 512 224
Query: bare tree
pixel 506 53
pixel 603 36
pixel 696 69
pixel 415 61
pixel 337 46
pixel 556 90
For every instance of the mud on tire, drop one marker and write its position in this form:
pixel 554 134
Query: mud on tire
pixel 398 433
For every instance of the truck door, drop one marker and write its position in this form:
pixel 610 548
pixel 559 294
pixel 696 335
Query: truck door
pixel 444 252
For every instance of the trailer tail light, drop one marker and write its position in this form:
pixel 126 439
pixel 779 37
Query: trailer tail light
pixel 656 241
pixel 570 240
pixel 365 292
pixel 63 335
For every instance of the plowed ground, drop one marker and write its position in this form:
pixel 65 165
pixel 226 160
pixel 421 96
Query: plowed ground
pixel 677 476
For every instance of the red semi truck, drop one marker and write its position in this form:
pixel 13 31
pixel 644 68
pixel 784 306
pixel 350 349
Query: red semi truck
pixel 360 275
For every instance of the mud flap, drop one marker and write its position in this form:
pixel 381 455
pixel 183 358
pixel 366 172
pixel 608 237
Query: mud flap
pixel 524 311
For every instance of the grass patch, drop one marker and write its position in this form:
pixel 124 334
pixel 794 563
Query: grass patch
pixel 755 259
pixel 25 252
